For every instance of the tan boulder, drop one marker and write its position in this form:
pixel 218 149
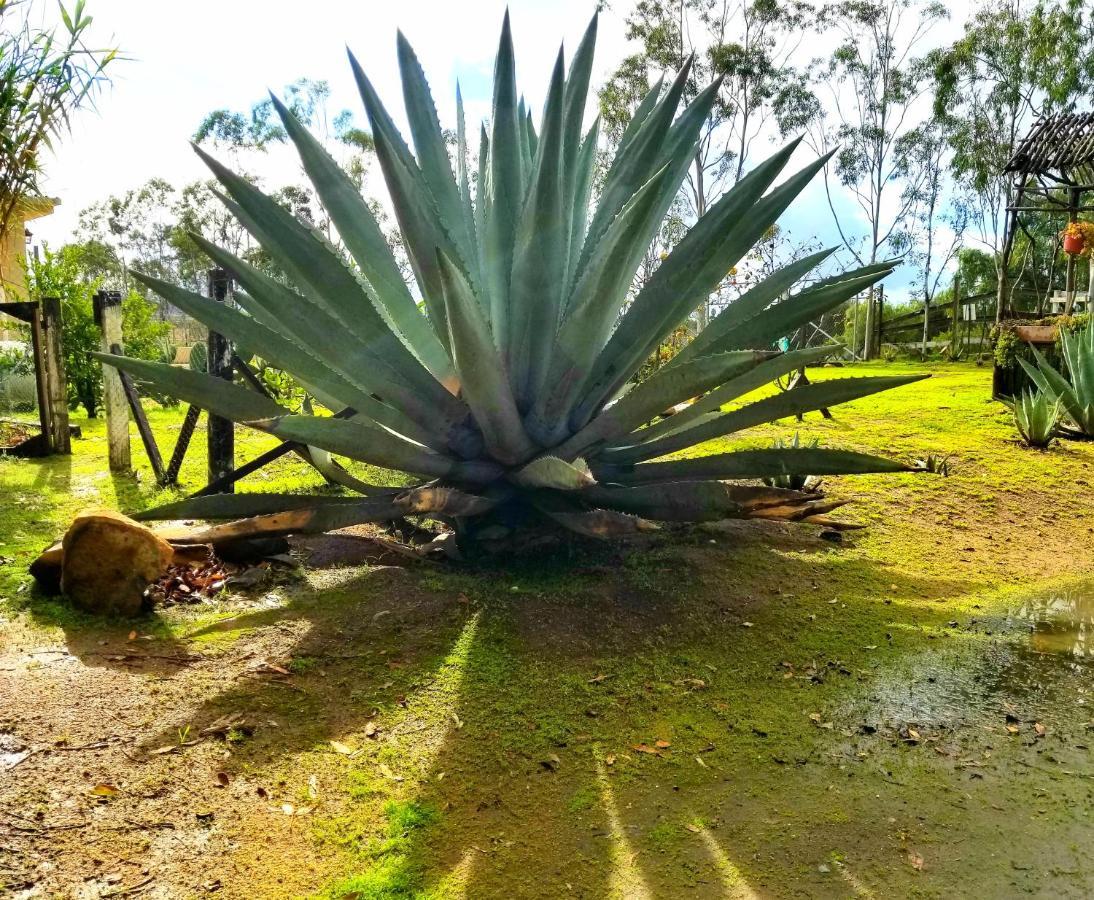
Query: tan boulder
pixel 109 560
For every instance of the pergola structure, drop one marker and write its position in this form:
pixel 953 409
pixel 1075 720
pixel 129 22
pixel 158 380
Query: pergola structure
pixel 1054 163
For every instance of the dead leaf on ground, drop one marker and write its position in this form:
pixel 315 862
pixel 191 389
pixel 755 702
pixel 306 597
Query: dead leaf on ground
pixel 662 744
pixel 646 748
pixel 105 790
pixel 345 749
pixel 551 763
pixel 222 779
pixel 385 770
pixel 599 679
pixel 916 860
pixel 694 829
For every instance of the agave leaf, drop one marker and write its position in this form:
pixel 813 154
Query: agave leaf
pixel 754 300
pixel 686 277
pixel 709 406
pixel 806 398
pixel 215 395
pixel 292 357
pixel 665 388
pixel 443 500
pixel 585 165
pixel 767 463
pixel 371 444
pixel 552 472
pixel 573 164
pixel 599 291
pixel 420 411
pixel 314 519
pixel 539 257
pixel 429 143
pixel 464 174
pixel 421 223
pixel 634 164
pixel 369 248
pixel 504 186
pixel 327 466
pixel 695 501
pixel 326 280
pixel 595 523
pixel 236 506
pixel 784 318
pixel 480 369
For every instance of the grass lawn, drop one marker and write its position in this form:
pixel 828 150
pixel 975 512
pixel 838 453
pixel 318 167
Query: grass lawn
pixel 737 710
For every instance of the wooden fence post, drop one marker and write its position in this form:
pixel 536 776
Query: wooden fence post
pixel 221 431
pixel 56 384
pixel 955 339
pixel 880 319
pixel 108 315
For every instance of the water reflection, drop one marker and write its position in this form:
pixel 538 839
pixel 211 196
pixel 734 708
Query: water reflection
pixel 1059 623
pixel 1034 655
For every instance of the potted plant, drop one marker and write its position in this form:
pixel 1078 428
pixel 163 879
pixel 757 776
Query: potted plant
pixel 1073 239
pixel 1078 238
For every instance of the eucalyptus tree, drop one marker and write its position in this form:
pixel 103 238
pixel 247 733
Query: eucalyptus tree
pixel 748 47
pixel 870 93
pixel 937 218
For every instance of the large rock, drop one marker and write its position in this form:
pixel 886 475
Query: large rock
pixel 109 560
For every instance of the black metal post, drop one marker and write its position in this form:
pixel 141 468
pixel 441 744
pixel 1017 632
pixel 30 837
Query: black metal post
pixel 221 431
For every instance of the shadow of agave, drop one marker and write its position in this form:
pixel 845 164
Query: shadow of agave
pixel 485 722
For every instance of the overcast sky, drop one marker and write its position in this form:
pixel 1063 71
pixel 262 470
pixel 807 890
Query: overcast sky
pixel 184 60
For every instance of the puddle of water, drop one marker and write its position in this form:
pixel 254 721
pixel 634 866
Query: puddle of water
pixel 1060 623
pixel 1036 655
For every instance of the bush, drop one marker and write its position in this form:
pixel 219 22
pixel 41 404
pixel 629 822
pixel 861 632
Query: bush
pixel 62 275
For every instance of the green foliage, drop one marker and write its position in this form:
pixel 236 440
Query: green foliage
pixel 1036 415
pixel 498 387
pixel 46 75
pixel 62 274
pixel 1076 393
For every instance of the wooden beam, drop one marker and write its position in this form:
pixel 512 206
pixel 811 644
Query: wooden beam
pixel 143 428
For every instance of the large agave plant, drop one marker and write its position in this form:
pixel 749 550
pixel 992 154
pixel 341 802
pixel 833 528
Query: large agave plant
pixel 502 392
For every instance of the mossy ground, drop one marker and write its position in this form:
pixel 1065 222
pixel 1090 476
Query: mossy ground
pixel 868 718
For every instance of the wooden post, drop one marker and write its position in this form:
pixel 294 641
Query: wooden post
pixel 56 384
pixel 108 315
pixel 954 339
pixel 37 342
pixel 868 326
pixel 1073 197
pixel 880 319
pixel 221 431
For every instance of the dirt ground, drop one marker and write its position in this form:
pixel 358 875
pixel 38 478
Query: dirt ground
pixel 739 710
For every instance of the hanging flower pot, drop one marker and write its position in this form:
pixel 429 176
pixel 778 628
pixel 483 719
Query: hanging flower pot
pixel 1074 235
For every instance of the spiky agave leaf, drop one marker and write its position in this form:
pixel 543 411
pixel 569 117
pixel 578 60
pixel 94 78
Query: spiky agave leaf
pixel 496 376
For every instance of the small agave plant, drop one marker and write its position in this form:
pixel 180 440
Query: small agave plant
pixel 795 481
pixel 503 391
pixel 1036 416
